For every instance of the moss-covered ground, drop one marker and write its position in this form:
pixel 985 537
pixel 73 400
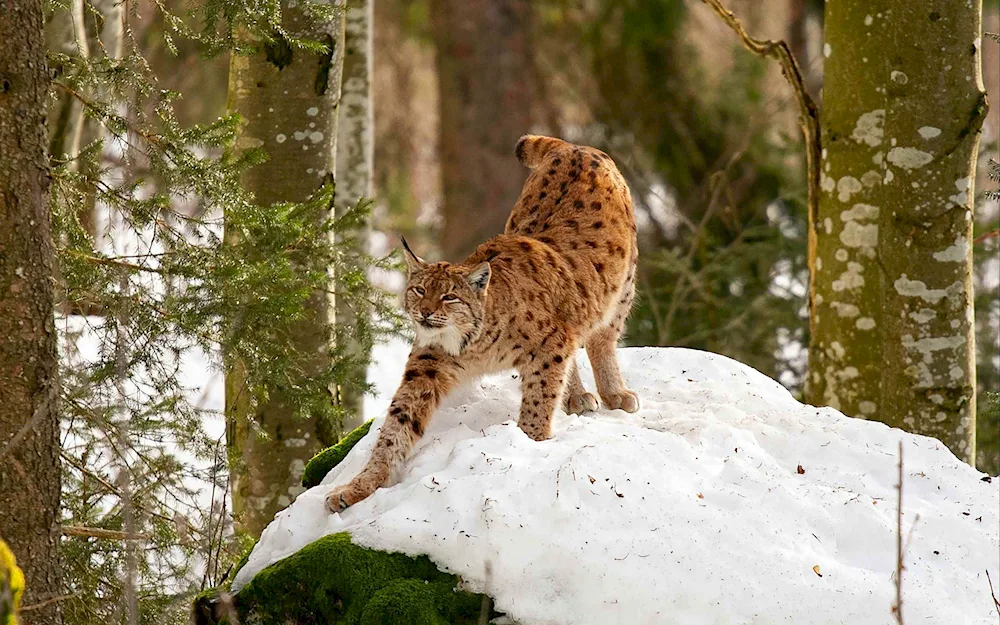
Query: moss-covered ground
pixel 332 581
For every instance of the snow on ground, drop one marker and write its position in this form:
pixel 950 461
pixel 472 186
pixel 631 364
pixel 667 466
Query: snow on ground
pixel 691 511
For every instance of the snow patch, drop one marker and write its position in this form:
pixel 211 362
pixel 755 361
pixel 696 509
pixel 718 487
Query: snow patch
pixel 847 186
pixel 909 158
pixel 962 197
pixel 859 235
pixel 955 253
pixel 916 288
pixel 868 129
pixel 642 518
pixel 929 132
pixel 850 279
pixel 860 211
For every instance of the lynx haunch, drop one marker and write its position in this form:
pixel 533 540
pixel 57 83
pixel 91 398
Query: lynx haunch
pixel 562 275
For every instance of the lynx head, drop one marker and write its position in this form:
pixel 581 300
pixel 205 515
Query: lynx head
pixel 445 302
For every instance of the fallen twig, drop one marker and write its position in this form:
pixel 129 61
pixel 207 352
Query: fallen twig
pixel 996 602
pixel 897 607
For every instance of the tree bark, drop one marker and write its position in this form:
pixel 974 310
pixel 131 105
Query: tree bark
pixel 484 70
pixel 355 159
pixel 892 318
pixel 29 411
pixel 289 103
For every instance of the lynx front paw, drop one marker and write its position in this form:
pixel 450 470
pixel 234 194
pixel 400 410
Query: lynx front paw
pixel 343 497
pixel 579 403
pixel 625 400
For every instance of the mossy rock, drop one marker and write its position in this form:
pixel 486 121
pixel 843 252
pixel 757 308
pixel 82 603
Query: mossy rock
pixel 332 581
pixel 320 464
pixel 11 586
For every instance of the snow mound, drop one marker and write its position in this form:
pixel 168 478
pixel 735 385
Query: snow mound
pixel 694 510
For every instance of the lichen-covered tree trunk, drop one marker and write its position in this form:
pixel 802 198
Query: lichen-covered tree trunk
pixel 289 101
pixel 484 84
pixel 355 159
pixel 29 391
pixel 892 315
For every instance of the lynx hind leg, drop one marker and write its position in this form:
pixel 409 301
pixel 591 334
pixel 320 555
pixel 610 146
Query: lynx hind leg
pixel 601 349
pixel 576 399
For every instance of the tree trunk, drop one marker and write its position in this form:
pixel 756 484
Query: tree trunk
pixel 288 100
pixel 29 391
pixel 484 71
pixel 355 158
pixel 892 316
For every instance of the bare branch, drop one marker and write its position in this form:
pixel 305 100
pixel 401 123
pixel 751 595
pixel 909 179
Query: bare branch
pixel 809 114
pixel 987 235
pixel 47 602
pixel 97 532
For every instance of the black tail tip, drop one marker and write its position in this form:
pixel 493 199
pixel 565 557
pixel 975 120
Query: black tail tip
pixel 519 147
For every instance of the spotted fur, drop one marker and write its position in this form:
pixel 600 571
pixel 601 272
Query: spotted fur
pixel 561 275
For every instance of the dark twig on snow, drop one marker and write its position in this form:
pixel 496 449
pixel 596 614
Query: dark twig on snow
pixel 996 602
pixel 901 546
pixel 487 605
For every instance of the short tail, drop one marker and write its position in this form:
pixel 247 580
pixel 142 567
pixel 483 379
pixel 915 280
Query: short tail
pixel 531 149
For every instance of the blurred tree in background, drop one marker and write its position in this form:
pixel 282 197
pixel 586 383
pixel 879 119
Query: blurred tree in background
pixel 169 263
pixel 289 101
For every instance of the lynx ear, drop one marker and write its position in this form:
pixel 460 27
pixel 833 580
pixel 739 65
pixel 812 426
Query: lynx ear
pixel 479 277
pixel 413 262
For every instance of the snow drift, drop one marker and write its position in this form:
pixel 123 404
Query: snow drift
pixel 722 501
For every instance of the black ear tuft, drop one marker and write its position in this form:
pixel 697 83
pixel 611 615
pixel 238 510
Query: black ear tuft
pixel 413 262
pixel 479 277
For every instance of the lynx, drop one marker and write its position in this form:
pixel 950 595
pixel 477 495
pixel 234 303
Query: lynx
pixel 561 275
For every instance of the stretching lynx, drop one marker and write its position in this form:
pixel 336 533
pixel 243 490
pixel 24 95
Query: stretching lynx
pixel 561 275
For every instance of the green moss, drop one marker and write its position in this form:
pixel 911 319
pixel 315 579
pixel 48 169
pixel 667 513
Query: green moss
pixel 333 581
pixel 321 463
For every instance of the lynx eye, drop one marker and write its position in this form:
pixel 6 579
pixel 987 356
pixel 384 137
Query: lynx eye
pixel 448 297
pixel 419 290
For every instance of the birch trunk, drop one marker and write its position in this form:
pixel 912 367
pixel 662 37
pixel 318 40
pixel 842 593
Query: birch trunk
pixel 892 318
pixel 29 411
pixel 289 103
pixel 355 160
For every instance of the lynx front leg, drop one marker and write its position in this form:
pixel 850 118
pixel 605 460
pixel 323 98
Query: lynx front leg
pixel 430 375
pixel 542 382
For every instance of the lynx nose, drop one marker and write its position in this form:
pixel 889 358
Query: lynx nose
pixel 425 313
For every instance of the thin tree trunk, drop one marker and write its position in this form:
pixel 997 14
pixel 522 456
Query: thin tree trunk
pixel 29 415
pixel 892 319
pixel 355 159
pixel 289 103
pixel 484 71
pixel 67 35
